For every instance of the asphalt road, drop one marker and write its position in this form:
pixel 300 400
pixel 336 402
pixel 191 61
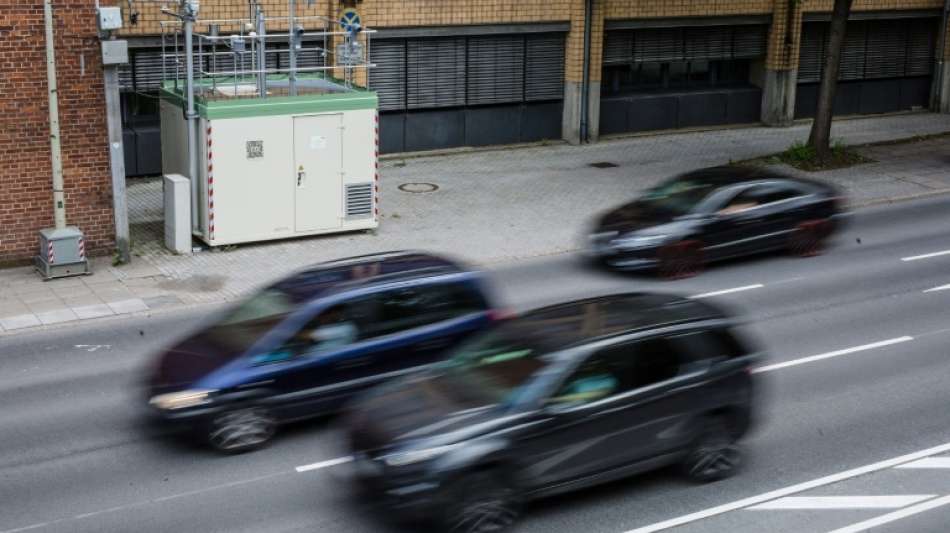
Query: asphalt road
pixel 858 374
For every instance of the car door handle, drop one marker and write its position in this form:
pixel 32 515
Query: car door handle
pixel 354 363
pixel 744 221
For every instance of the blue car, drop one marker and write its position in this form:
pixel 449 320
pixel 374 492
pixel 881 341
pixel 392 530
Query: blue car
pixel 302 346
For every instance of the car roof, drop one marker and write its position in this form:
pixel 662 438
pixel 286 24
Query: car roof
pixel 580 322
pixel 726 176
pixel 363 271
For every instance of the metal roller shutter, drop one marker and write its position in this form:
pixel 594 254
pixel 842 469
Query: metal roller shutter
pixel 544 70
pixel 920 47
pixel 711 42
pixel 388 77
pixel 658 44
pixel 435 72
pixel 886 49
pixel 853 52
pixel 495 69
pixel 750 41
pixel 812 52
pixel 618 47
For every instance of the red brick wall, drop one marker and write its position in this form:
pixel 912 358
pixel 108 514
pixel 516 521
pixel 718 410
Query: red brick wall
pixel 26 198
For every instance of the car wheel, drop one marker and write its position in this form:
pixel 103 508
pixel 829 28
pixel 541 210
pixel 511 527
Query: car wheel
pixel 680 260
pixel 241 430
pixel 808 238
pixel 714 455
pixel 481 503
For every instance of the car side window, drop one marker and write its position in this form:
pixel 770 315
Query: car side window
pixel 332 329
pixel 748 199
pixel 696 350
pixel 778 192
pixel 413 307
pixel 594 380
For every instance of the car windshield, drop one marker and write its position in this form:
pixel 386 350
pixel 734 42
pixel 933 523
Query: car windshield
pixel 247 322
pixel 678 196
pixel 498 367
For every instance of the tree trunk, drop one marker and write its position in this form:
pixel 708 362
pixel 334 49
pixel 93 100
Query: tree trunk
pixel 820 137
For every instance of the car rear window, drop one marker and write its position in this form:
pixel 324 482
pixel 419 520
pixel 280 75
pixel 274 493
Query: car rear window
pixel 707 345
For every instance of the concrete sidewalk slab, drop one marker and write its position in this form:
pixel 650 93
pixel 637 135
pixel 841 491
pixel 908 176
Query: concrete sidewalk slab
pixel 490 206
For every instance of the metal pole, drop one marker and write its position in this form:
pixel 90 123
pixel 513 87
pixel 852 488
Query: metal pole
pixel 56 156
pixel 117 161
pixel 292 76
pixel 585 84
pixel 188 17
pixel 261 53
pixel 940 100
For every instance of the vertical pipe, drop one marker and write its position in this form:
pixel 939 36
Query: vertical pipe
pixel 189 21
pixel 292 76
pixel 585 84
pixel 59 201
pixel 261 52
pixel 117 161
pixel 939 99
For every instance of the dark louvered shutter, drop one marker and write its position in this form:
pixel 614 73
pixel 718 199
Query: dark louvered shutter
pixel 920 47
pixel 886 49
pixel 147 68
pixel 750 41
pixel 712 42
pixel 658 44
pixel 812 53
pixel 495 69
pixel 435 72
pixel 388 77
pixel 544 70
pixel 618 47
pixel 853 52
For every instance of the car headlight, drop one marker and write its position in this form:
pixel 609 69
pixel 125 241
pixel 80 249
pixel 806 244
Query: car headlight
pixel 641 241
pixel 182 399
pixel 417 456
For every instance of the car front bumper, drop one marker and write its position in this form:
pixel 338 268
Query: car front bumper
pixel 399 494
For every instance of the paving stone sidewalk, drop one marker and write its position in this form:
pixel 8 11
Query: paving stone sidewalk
pixel 490 207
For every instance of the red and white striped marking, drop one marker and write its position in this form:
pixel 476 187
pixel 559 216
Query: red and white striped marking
pixel 50 256
pixel 82 249
pixel 210 189
pixel 376 176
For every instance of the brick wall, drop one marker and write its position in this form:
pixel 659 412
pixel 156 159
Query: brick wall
pixel 26 198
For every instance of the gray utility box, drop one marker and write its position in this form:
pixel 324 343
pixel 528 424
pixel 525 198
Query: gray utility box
pixel 177 213
pixel 62 253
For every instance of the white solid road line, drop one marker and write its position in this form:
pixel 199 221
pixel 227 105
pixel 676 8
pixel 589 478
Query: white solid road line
pixel 828 355
pixel 324 464
pixel 787 491
pixel 930 462
pixel 925 256
pixel 727 291
pixel 940 288
pixel 893 517
pixel 842 502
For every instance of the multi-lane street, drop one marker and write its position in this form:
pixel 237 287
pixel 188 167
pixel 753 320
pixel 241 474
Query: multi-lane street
pixel 853 433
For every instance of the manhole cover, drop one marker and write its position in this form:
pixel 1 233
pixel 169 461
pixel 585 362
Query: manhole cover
pixel 604 164
pixel 418 188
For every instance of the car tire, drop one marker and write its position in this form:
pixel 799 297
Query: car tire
pixel 714 454
pixel 481 502
pixel 808 237
pixel 241 430
pixel 683 259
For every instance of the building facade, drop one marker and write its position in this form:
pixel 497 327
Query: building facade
pixel 26 196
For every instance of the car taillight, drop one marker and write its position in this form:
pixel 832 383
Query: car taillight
pixel 500 314
pixel 838 203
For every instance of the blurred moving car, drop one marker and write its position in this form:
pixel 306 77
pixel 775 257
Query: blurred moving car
pixel 303 345
pixel 714 214
pixel 561 398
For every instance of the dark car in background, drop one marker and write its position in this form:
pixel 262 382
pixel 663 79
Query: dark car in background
pixel 714 214
pixel 558 399
pixel 302 346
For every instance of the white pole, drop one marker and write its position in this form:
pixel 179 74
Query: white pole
pixel 59 201
pixel 190 11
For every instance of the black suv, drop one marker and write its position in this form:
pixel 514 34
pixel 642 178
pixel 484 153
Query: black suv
pixel 560 398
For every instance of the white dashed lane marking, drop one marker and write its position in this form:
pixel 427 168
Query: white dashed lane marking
pixel 925 256
pixel 842 502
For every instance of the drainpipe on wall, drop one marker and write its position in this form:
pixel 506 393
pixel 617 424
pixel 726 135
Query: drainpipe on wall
pixel 585 84
pixel 940 99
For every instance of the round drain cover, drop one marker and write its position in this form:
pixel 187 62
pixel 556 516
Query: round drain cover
pixel 418 188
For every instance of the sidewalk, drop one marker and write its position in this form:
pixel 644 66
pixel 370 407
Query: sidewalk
pixel 490 207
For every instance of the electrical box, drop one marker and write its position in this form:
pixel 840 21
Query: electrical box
pixel 110 18
pixel 177 213
pixel 115 52
pixel 62 253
